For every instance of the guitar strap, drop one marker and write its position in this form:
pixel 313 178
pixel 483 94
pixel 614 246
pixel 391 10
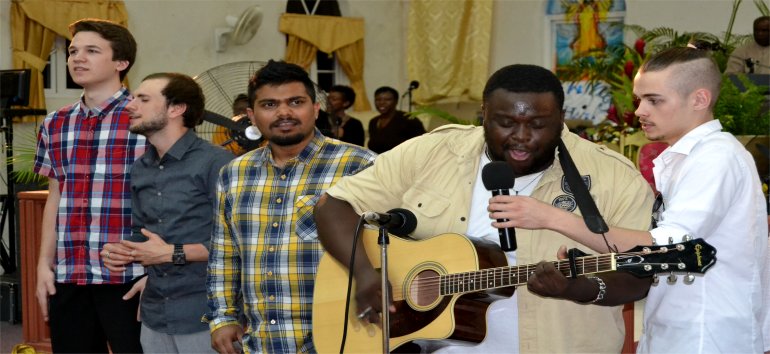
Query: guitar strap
pixel 585 203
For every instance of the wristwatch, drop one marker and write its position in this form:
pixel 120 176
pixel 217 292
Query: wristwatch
pixel 178 256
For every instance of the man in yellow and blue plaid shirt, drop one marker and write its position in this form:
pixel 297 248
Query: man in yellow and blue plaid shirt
pixel 265 246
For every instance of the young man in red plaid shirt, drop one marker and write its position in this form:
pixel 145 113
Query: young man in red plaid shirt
pixel 86 151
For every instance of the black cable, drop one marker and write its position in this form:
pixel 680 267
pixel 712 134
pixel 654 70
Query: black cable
pixel 350 283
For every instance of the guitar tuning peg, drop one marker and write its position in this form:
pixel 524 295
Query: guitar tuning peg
pixel 655 279
pixel 670 240
pixel 654 242
pixel 671 278
pixel 689 278
pixel 686 238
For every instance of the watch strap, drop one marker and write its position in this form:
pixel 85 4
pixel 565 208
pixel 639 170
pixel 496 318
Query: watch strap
pixel 178 257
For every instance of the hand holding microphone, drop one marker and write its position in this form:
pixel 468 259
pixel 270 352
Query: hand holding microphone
pixel 498 178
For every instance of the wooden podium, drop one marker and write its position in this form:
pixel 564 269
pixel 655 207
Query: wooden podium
pixel 35 329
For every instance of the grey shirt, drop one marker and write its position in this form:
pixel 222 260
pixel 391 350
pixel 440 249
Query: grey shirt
pixel 174 197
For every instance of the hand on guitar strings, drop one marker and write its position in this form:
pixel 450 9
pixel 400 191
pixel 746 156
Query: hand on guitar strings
pixel 546 280
pixel 369 297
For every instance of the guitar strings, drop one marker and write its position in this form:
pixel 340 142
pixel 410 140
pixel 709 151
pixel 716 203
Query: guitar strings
pixel 501 275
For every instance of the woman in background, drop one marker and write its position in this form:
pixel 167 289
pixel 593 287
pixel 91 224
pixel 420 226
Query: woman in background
pixel 391 127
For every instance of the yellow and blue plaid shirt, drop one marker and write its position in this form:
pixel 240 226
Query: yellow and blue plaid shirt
pixel 265 246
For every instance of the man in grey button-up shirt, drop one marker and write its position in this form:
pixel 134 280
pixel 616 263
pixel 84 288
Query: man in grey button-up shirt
pixel 172 193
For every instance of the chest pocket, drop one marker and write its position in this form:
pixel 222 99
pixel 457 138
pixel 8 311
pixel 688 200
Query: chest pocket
pixel 305 225
pixel 424 202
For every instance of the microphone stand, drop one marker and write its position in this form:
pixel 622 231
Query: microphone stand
pixel 409 101
pixel 383 241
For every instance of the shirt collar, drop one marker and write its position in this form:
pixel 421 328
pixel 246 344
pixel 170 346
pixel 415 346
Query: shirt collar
pixel 101 110
pixel 177 151
pixel 689 140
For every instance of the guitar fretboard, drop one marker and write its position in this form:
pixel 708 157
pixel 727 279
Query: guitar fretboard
pixel 501 277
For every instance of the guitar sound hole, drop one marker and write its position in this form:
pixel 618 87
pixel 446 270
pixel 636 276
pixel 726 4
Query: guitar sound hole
pixel 424 290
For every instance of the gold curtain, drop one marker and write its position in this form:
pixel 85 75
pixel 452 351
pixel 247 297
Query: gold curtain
pixel 448 48
pixel 35 24
pixel 343 36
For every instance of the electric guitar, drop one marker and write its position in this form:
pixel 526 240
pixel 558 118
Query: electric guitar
pixel 442 286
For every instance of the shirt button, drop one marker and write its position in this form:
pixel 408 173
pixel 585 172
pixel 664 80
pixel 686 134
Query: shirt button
pixel 275 224
pixel 270 273
pixel 271 297
pixel 271 249
pixel 159 194
pixel 160 167
pixel 278 200
pixel 283 176
pixel 160 221
pixel 272 321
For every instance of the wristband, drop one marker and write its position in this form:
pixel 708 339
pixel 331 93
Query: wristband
pixel 602 289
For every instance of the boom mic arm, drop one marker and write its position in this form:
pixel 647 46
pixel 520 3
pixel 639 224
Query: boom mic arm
pixel 222 121
pixel 237 129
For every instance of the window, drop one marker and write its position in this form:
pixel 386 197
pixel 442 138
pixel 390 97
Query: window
pixel 327 71
pixel 56 77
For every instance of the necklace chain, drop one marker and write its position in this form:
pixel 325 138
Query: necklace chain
pixel 530 182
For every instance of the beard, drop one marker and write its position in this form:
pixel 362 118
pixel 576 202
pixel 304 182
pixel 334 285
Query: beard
pixel 149 127
pixel 287 140
pixel 290 139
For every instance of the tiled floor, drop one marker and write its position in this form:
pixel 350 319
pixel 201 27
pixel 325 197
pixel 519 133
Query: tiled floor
pixel 10 335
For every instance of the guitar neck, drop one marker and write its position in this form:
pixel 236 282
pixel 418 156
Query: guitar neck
pixel 501 277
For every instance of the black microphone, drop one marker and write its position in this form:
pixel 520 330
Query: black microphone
pixel 413 85
pixel 400 222
pixel 498 178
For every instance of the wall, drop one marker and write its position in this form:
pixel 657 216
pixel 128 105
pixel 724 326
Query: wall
pixel 178 35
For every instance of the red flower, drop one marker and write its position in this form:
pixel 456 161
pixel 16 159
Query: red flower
pixel 629 69
pixel 612 113
pixel 639 46
pixel 628 118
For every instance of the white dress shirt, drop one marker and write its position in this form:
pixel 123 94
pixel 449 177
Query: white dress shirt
pixel 711 190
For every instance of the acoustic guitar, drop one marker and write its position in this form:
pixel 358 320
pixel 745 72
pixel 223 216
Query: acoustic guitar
pixel 442 286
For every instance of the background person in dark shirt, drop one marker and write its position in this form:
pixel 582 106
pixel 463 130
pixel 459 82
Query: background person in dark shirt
pixel 391 127
pixel 173 186
pixel 348 129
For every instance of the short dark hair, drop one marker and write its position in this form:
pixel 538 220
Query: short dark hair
pixel 697 69
pixel 121 41
pixel 278 73
pixel 242 97
pixel 760 19
pixel 182 89
pixel 347 92
pixel 388 89
pixel 524 78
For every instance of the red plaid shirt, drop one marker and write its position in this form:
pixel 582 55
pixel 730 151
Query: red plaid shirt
pixel 90 153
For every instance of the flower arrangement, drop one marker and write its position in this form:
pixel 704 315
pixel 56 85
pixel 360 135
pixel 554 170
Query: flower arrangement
pixel 738 110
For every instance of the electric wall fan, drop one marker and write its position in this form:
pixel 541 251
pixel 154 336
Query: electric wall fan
pixel 221 84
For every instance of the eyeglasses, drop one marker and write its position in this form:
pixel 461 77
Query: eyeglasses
pixel 657 208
